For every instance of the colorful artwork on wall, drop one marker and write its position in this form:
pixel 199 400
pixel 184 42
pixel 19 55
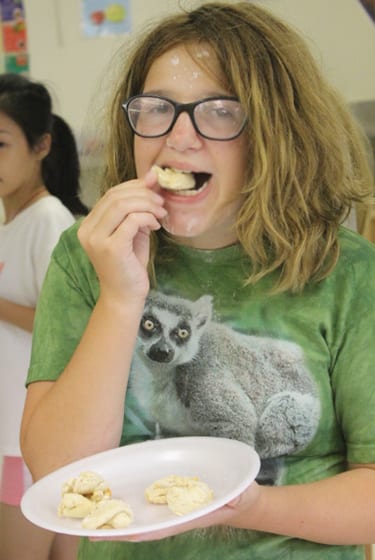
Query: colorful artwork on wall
pixel 13 38
pixel 105 17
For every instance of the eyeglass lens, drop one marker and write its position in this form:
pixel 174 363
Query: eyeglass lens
pixel 214 118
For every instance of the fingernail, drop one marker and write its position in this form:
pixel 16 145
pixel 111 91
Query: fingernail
pixel 150 176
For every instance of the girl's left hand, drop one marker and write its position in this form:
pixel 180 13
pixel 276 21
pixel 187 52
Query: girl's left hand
pixel 222 516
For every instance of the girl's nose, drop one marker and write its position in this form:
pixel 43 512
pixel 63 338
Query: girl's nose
pixel 183 135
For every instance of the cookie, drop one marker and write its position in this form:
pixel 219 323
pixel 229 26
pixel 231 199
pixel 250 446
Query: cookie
pixel 88 484
pixel 74 505
pixel 108 514
pixel 184 499
pixel 174 179
pixel 182 494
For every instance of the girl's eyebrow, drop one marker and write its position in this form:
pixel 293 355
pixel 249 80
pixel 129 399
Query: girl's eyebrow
pixel 170 95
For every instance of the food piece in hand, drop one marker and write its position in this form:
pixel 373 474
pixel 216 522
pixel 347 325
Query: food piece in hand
pixel 109 514
pixel 74 505
pixel 174 179
pixel 182 494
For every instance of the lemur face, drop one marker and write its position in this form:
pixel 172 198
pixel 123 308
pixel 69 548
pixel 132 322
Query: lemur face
pixel 162 339
pixel 170 329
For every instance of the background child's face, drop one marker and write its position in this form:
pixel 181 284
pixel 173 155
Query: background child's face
pixel 205 218
pixel 19 165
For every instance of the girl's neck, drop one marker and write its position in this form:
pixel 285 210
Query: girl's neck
pixel 16 207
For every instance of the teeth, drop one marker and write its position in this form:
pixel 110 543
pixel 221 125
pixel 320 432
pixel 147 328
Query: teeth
pixel 191 192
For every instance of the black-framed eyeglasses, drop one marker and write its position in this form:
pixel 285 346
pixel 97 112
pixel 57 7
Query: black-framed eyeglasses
pixel 214 118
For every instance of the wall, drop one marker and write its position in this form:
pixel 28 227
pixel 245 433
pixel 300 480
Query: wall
pixel 340 33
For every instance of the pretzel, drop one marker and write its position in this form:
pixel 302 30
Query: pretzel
pixel 156 493
pixel 108 514
pixel 88 497
pixel 182 494
pixel 88 484
pixel 184 499
pixel 74 505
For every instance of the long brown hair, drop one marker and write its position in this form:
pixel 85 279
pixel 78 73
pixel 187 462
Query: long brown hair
pixel 307 158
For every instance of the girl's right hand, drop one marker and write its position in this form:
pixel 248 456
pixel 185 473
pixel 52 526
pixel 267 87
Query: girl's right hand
pixel 116 236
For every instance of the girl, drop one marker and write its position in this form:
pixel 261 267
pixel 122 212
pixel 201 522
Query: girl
pixel 228 94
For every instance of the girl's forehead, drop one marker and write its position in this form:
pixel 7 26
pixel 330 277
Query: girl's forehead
pixel 193 61
pixel 186 56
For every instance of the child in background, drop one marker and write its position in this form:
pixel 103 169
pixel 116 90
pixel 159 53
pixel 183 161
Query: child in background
pixel 39 188
pixel 230 98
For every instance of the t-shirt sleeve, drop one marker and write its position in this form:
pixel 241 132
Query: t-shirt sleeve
pixel 353 374
pixel 66 301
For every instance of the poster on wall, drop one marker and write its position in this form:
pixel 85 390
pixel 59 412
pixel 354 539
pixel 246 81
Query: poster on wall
pixel 102 18
pixel 2 58
pixel 13 37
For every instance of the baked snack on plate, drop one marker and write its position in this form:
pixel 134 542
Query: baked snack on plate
pixel 88 484
pixel 108 514
pixel 88 497
pixel 182 494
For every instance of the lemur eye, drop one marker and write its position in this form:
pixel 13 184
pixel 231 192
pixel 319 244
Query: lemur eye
pixel 148 324
pixel 183 333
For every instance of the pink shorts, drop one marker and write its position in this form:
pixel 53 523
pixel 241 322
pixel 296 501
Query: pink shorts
pixel 15 480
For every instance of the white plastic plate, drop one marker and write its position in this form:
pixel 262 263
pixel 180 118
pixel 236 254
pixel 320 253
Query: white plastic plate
pixel 226 465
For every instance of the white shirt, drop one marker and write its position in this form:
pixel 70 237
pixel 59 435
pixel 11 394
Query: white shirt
pixel 26 244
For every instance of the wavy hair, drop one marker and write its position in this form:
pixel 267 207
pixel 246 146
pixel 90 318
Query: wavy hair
pixel 308 163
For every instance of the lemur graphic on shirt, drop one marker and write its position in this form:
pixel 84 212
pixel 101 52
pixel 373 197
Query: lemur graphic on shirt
pixel 195 376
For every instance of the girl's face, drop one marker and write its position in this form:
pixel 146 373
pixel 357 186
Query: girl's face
pixel 203 219
pixel 20 166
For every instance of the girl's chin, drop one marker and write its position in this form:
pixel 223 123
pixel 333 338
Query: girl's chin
pixel 182 227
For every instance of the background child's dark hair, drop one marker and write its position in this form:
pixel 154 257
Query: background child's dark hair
pixel 61 169
pixel 29 105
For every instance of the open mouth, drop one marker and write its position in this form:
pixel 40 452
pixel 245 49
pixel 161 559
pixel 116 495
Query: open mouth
pixel 201 179
pixel 200 182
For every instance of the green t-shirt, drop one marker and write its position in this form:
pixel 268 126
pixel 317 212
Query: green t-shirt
pixel 290 374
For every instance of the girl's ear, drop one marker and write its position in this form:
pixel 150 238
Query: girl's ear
pixel 43 147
